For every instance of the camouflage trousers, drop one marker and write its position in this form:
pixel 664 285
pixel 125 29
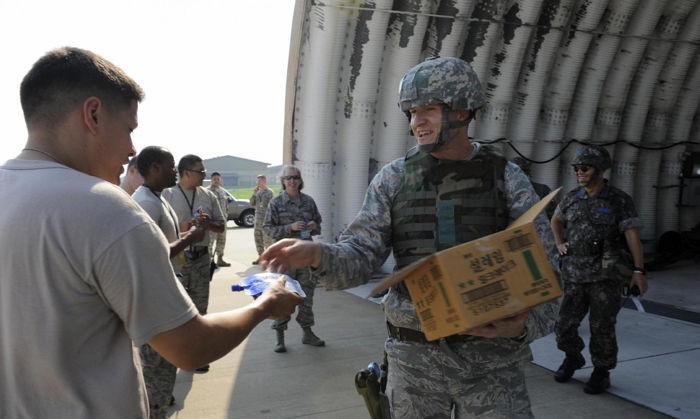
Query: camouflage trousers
pixel 431 381
pixel 195 278
pixel 602 301
pixel 305 314
pixel 159 376
pixel 217 242
pixel 262 240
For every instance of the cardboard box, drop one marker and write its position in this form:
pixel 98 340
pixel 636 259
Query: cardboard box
pixel 487 279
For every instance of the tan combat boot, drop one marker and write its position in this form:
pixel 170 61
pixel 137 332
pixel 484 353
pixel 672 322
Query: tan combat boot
pixel 221 262
pixel 311 339
pixel 279 347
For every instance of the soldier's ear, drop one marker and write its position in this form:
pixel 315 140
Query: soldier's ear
pixel 462 114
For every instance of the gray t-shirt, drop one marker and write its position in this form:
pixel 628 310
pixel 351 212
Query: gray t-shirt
pixel 84 276
pixel 164 216
pixel 186 202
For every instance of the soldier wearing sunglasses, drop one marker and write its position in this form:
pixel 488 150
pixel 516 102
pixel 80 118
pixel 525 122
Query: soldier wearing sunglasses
pixel 596 229
pixel 293 214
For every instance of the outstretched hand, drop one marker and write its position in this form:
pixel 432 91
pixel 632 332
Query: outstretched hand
pixel 289 254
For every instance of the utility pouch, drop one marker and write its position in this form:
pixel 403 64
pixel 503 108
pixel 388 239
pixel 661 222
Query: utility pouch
pixel 618 266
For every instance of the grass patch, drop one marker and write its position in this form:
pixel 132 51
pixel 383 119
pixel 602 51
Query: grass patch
pixel 246 193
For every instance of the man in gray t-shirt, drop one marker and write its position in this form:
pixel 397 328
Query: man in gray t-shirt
pixel 79 279
pixel 157 167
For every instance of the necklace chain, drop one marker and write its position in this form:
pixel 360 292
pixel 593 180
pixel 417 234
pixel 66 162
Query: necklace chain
pixel 41 152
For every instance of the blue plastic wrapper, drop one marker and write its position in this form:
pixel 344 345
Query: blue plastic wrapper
pixel 255 284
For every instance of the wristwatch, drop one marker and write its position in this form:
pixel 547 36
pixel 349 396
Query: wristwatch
pixel 639 270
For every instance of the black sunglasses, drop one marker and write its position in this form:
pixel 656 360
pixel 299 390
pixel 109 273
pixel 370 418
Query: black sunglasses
pixel 297 177
pixel 581 168
pixel 201 172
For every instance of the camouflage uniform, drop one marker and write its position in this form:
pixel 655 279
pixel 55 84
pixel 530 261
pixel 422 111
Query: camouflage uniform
pixel 159 376
pixel 217 241
pixel 281 213
pixel 541 189
pixel 260 200
pixel 195 272
pixel 196 276
pixel 477 376
pixel 595 269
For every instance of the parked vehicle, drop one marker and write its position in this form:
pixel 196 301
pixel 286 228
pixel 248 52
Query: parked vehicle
pixel 240 211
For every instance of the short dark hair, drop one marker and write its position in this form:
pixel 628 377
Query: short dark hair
pixel 216 174
pixel 186 162
pixel 149 155
pixel 64 77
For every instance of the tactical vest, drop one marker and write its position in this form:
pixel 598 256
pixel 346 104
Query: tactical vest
pixel 443 203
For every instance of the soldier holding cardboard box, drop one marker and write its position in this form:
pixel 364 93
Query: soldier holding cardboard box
pixel 446 192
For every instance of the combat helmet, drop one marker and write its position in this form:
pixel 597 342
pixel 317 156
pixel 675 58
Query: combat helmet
pixel 448 81
pixel 592 155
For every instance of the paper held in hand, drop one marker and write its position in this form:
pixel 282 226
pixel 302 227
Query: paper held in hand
pixel 487 279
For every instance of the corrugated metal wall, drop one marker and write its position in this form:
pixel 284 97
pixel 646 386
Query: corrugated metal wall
pixel 624 73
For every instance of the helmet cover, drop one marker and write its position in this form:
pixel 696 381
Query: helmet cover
pixel 592 155
pixel 447 80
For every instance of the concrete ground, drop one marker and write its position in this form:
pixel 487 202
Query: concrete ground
pixel 658 374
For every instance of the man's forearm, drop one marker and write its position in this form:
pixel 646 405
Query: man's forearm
pixel 179 245
pixel 205 339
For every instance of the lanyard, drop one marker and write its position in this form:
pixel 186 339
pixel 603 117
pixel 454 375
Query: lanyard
pixel 189 204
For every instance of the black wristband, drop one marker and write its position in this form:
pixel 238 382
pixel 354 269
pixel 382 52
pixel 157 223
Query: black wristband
pixel 639 270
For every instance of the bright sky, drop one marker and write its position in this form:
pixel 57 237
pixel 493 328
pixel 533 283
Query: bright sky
pixel 214 71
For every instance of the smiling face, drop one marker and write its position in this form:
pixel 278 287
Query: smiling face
pixel 426 123
pixel 587 176
pixel 291 181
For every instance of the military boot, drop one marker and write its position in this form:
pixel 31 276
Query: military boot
pixel 311 339
pixel 599 381
pixel 566 370
pixel 279 347
pixel 221 262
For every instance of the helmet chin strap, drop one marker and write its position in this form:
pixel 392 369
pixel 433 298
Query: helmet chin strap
pixel 445 129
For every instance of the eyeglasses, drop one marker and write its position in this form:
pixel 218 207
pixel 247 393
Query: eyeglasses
pixel 201 172
pixel 297 177
pixel 581 168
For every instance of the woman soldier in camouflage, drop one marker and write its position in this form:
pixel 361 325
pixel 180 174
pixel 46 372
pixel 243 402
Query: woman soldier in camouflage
pixel 293 213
